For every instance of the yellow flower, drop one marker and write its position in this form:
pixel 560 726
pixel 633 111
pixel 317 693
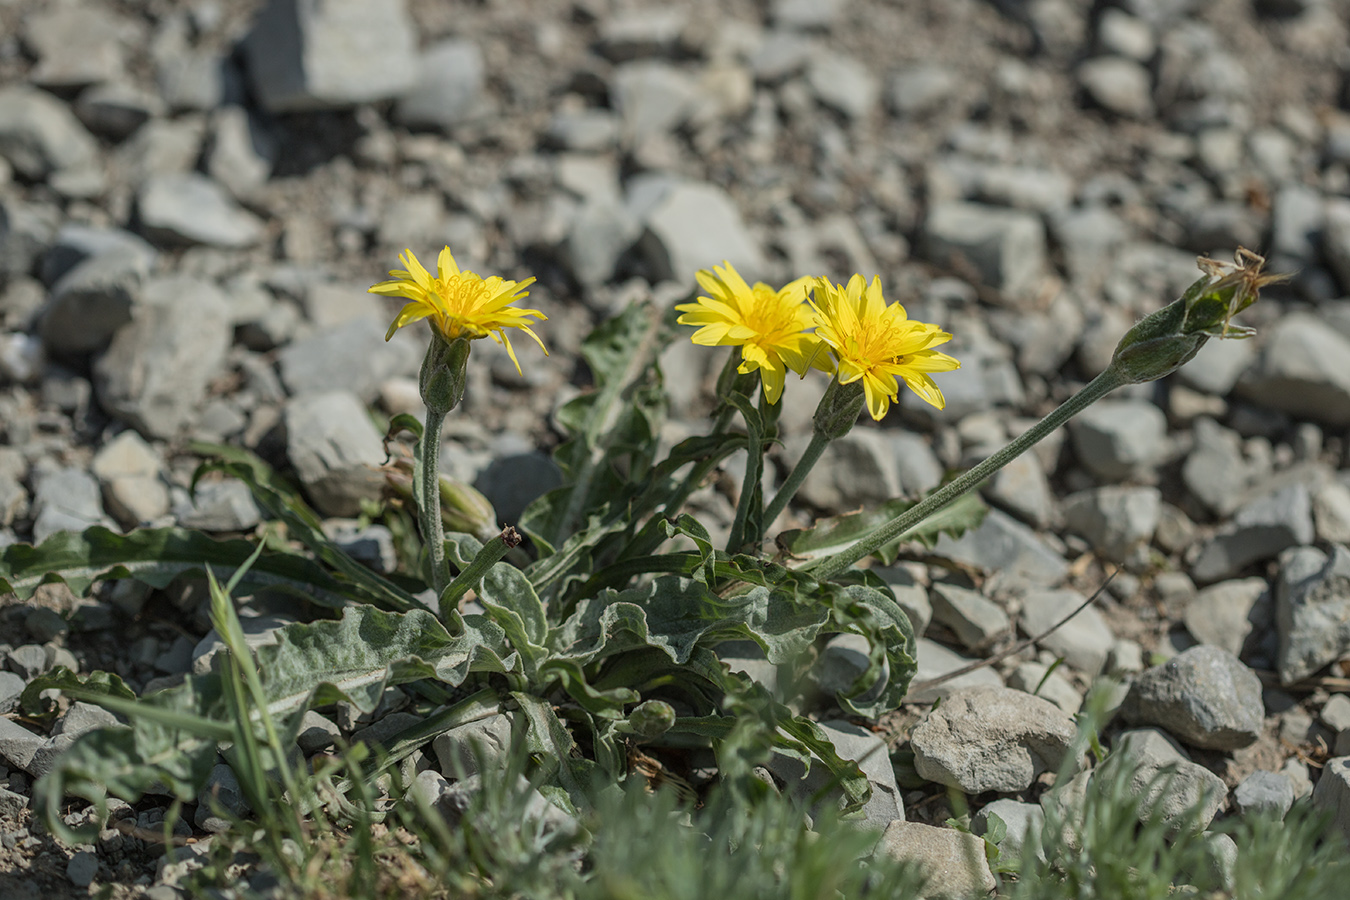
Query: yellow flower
pixel 769 326
pixel 459 303
pixel 878 344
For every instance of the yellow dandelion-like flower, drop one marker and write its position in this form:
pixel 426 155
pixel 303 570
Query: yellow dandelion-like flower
pixel 878 344
pixel 770 326
pixel 459 303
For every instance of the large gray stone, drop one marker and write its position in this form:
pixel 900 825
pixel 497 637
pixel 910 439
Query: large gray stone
pixel 330 54
pixel 993 739
pixel 1169 786
pixel 1215 471
pixel 935 661
pixel 77 44
pixel 76 243
pixel 1205 696
pixel 353 356
pixel 1002 544
pixel 188 208
pixel 1264 793
pixel 918 89
pixel 335 450
pixel 652 97
pixel 40 136
pixel 1218 366
pixel 1022 488
pixel 843 84
pixel 155 373
pixel 602 231
pixel 1003 248
pixel 973 618
pixel 450 79
pixel 460 749
pixel 65 499
pixel 1119 439
pixel 1084 640
pixel 857 470
pixel 1024 821
pixel 91 301
pixel 694 226
pixel 1302 371
pixel 1115 520
pixel 953 862
pixel 1261 529
pixel 1312 610
pixel 1231 614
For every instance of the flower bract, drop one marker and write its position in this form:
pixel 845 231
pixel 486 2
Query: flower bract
pixel 770 326
pixel 459 303
pixel 878 343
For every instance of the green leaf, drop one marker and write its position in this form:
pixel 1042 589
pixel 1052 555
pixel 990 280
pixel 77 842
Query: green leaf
pixel 833 535
pixel 156 556
pixel 90 687
pixel 509 598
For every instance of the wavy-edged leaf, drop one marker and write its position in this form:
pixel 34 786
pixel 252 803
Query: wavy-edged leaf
pixel 866 609
pixel 509 598
pixel 89 687
pixel 830 536
pixel 156 556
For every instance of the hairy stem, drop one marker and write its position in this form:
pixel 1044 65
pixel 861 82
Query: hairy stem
pixel 427 486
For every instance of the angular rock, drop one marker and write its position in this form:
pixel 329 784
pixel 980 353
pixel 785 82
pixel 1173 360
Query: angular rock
pixel 450 78
pixel 1022 488
pixel 40 136
pixel 1038 679
pixel 843 660
pixel 652 97
pixel 1264 793
pixel 843 84
pixel 460 749
pixel 220 799
pixel 18 745
pixel 308 55
pixel 77 44
pixel 188 208
pixel 1083 640
pixel 1024 822
pixel 259 631
pixel 695 226
pixel 1218 366
pixel 316 733
pixel 352 356
pixel 1205 696
pixel 991 739
pixel 858 470
pixel 1004 248
pixel 919 89
pixel 915 462
pixel 1002 544
pixel 1260 530
pixel 1119 439
pixel 1332 794
pixel 1331 512
pixel 1231 614
pixel 1115 520
pixel 934 661
pixel 975 619
pixel 1216 471
pixel 91 301
pixel 602 231
pixel 335 451
pixel 1168 785
pixel 1312 610
pixel 910 595
pixel 75 243
pixel 156 371
pixel 513 482
pixel 953 862
pixel 240 153
pixel 1302 372
pixel 65 500
pixel 225 505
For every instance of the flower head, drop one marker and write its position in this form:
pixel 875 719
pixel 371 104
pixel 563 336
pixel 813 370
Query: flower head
pixel 459 304
pixel 768 325
pixel 876 343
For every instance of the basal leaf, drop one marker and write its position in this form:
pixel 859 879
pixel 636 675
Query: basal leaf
pixel 509 598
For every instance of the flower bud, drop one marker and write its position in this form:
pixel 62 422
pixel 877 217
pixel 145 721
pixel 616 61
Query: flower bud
pixel 839 409
pixel 1165 340
pixel 652 718
pixel 443 373
pixel 465 510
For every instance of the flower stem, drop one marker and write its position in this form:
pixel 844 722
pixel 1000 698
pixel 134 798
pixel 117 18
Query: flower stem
pixel 808 460
pixel 427 484
pixel 490 555
pixel 1093 391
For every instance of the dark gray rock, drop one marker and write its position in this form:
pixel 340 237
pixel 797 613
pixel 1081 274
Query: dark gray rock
pixel 1332 794
pixel 636 33
pixel 316 733
pixel 1120 439
pixel 1301 371
pixel 91 301
pixel 583 130
pixel 1312 610
pixel 513 482
pixel 220 800
pixel 155 373
pixel 450 78
pixel 1004 248
pixel 75 243
pixel 306 54
pixel 843 660
pixel 82 868
pixel 994 739
pixel 1336 241
pixel 1115 520
pixel 77 45
pixel 1205 696
pixel 909 594
pixel 11 686
pixel 18 745
pixel 1260 530
pixel 187 208
pixel 259 631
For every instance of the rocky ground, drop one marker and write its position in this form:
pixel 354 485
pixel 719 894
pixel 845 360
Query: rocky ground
pixel 189 218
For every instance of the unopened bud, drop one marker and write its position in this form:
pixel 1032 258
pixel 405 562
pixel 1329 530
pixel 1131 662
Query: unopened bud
pixel 839 409
pixel 465 510
pixel 652 718
pixel 443 373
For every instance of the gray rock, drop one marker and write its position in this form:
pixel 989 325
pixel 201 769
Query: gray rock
pixel 857 470
pixel 18 745
pixel 40 136
pixel 1003 248
pixel 335 450
pixel 1336 241
pixel 920 89
pixel 1205 696
pixel 75 244
pixel 1115 520
pixel 1124 35
pixel 748 658
pixel 1168 785
pixel 1088 237
pixel 1024 821
pixel 953 862
pixel 1002 544
pixel 11 686
pixel 1022 488
pixel 1302 371
pixel 1312 610
pixel 187 208
pixel 1332 794
pixel 191 81
pixel 806 14
pixel 240 154
pixel 306 54
pixel 83 717
pixel 1119 439
pixel 76 45
pixel 974 619
pixel 259 631
pixel 11 806
pixel 843 660
pixel 868 751
pixel 1038 679
pixel 541 817
pixel 91 301
pixel 1331 512
pixel 1261 529
pixel 843 84
pixel 652 97
pixel 916 464
pixel 1024 187
pixel 1336 712
pixel 934 661
pixel 352 356
pixel 82 868
pixel 380 732
pixel 371 546
pixel 1296 221
pixel 996 739
pixel 602 231
pixel 220 800
pixel 909 594
pixel 1118 85
pixel 692 226
pixel 1264 794
pixel 583 130
pixel 450 79
pixel 650 31
pixel 316 733
pixel 155 373
pixel 513 482
pixel 781 54
pixel 225 505
pixel 1231 614
pixel 460 749
pixel 65 500
pixel 1215 471
pixel 1083 641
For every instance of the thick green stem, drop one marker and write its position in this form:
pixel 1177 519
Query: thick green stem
pixel 427 486
pixel 1093 391
pixel 808 460
pixel 489 556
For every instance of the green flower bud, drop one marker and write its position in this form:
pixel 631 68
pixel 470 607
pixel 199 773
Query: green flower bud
pixel 465 510
pixel 839 409
pixel 443 373
pixel 651 719
pixel 1167 339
